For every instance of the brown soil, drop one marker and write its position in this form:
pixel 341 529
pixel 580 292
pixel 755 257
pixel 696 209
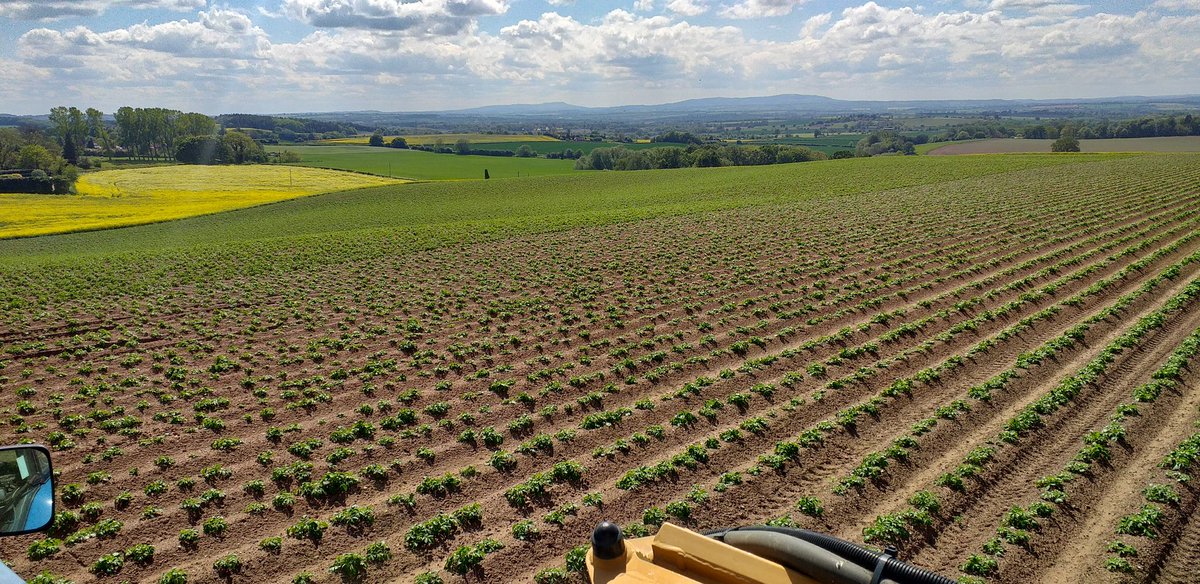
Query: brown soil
pixel 596 319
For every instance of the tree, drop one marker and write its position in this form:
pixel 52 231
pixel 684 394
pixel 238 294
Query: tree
pixel 242 148
pixel 1065 143
pixel 70 153
pixel 194 124
pixel 99 133
pixel 203 150
pixel 376 139
pixel 462 146
pixel 399 142
pixel 69 125
pixel 677 137
pixel 525 151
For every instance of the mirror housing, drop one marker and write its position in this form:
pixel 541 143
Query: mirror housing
pixel 26 489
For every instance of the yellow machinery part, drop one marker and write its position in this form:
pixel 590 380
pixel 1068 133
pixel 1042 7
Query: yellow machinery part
pixel 679 556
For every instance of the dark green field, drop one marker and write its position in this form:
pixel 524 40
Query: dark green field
pixel 415 216
pixel 826 144
pixel 543 148
pixel 417 165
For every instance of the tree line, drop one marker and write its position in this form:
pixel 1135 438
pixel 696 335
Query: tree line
pixel 47 158
pixel 31 161
pixel 708 155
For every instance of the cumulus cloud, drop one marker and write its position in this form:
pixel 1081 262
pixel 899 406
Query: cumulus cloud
pixel 687 7
pixel 438 17
pixel 217 34
pixel 561 2
pixel 1178 4
pixel 45 10
pixel 621 46
pixel 1001 48
pixel 760 8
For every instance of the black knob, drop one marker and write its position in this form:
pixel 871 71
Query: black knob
pixel 608 543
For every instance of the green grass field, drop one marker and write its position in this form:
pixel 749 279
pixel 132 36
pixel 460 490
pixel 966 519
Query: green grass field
pixel 392 219
pixel 547 147
pixel 826 144
pixel 1017 145
pixel 417 165
pixel 447 139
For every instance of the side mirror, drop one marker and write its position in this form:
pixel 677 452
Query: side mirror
pixel 26 490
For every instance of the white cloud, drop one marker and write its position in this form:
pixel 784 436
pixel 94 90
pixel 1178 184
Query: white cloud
pixel 687 7
pixel 561 2
pixel 438 17
pixel 217 33
pixel 865 51
pixel 58 9
pixel 760 8
pixel 1178 4
pixel 622 46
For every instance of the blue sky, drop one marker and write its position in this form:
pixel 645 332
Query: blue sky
pixel 265 56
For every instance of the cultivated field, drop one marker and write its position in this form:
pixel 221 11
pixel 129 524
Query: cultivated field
pixel 417 165
pixel 986 361
pixel 118 198
pixel 448 139
pixel 1011 145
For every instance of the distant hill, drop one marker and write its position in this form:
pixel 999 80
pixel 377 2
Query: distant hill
pixel 786 104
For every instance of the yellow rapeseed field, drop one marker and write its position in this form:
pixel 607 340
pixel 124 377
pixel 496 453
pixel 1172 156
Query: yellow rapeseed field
pixel 447 139
pixel 119 198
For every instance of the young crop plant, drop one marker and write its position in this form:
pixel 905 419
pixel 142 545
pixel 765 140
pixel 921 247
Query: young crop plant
pixel 173 576
pixel 228 565
pixel 215 526
pixel 350 566
pixel 681 510
pixel 141 554
pixel 44 548
pixel 810 506
pixel 525 530
pixel 308 528
pixel 108 564
pixel 271 545
pixel 354 518
pixel 1145 523
pixel 378 553
pixel 188 538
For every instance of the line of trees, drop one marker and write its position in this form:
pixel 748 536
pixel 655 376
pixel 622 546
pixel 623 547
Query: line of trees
pixel 232 147
pixel 31 161
pixel 709 155
pixel 282 124
pixel 677 137
pixel 154 132
pixel 877 143
pixel 1146 127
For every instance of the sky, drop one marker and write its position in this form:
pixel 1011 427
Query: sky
pixel 273 56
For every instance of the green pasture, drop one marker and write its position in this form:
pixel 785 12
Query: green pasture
pixel 543 148
pixel 826 144
pixel 394 219
pixel 418 165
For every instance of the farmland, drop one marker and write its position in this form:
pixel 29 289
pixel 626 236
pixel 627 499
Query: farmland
pixel 119 198
pixel 826 144
pixel 1011 145
pixel 418 165
pixel 975 359
pixel 450 139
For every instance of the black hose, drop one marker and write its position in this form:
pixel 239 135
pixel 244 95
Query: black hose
pixel 893 568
